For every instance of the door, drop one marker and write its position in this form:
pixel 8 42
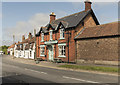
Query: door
pixel 50 48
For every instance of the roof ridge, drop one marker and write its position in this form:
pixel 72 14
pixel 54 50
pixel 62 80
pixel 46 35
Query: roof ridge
pixel 69 15
pixel 103 24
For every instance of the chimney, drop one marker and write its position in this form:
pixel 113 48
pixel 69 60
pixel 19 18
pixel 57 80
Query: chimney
pixel 87 5
pixel 23 38
pixel 52 17
pixel 30 36
pixel 34 32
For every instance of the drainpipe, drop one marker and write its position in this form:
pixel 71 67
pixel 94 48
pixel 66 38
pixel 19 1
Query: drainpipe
pixel 35 56
pixel 68 44
pixel 75 51
pixel 55 45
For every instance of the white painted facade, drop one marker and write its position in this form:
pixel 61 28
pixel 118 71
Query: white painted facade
pixel 27 54
pixel 10 50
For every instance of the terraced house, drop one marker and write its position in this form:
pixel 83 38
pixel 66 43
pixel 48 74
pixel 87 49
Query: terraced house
pixel 26 48
pixel 57 39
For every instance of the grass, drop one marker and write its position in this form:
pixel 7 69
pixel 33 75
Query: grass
pixel 91 68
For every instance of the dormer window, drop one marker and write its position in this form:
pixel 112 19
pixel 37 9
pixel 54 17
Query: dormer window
pixel 50 34
pixel 42 37
pixel 62 36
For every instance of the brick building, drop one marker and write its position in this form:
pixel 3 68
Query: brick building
pixel 98 44
pixel 25 48
pixel 57 38
pixel 10 49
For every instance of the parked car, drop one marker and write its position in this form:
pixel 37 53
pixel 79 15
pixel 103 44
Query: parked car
pixel 1 52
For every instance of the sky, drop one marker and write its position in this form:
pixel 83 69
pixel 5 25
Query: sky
pixel 20 18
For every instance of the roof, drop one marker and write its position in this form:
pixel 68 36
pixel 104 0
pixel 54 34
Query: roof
pixel 12 46
pixel 69 21
pixel 27 47
pixel 74 19
pixel 28 41
pixel 99 30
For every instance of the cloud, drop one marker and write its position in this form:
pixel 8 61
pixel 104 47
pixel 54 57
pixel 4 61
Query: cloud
pixel 24 27
pixel 0 15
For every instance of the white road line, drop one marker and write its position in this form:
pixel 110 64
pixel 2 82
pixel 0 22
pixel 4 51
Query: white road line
pixel 35 71
pixel 79 79
pixel 43 72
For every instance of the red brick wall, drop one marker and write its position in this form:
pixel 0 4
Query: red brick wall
pixel 56 35
pixel 98 49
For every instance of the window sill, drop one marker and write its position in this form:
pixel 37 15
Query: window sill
pixel 61 38
pixel 62 56
pixel 41 41
pixel 42 55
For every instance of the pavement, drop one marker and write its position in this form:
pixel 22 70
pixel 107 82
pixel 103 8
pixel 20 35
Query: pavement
pixel 27 71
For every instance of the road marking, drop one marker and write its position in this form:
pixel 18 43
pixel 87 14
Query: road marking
pixel 79 79
pixel 44 72
pixel 35 71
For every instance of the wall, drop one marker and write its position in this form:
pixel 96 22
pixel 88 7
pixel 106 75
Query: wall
pixel 88 22
pixel 98 49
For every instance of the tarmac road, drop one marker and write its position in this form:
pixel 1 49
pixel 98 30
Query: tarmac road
pixel 16 72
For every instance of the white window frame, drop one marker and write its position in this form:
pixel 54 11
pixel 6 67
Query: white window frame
pixel 62 48
pixel 42 49
pixel 62 35
pixel 42 37
pixel 51 38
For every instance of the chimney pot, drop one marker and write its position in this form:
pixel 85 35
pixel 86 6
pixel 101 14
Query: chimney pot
pixel 23 38
pixel 87 5
pixel 30 36
pixel 52 17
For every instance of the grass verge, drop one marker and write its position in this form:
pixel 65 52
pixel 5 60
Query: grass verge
pixel 91 68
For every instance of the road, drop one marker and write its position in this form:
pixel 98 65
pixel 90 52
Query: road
pixel 15 72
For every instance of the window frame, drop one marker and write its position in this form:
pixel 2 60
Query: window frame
pixel 51 34
pixel 62 33
pixel 42 37
pixel 42 49
pixel 62 48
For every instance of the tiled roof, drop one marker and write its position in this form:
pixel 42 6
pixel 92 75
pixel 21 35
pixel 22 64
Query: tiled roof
pixel 73 19
pixel 12 46
pixel 18 47
pixel 99 30
pixel 69 21
pixel 28 41
pixel 27 47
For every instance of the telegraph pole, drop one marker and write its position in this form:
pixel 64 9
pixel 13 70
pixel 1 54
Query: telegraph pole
pixel 13 44
pixel 13 39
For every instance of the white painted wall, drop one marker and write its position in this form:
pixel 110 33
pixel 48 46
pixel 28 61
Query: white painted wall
pixel 24 53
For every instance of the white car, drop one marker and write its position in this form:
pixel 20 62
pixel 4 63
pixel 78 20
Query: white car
pixel 1 52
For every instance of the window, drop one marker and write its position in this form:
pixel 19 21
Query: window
pixel 62 51
pixel 42 37
pixel 50 34
pixel 20 46
pixel 62 34
pixel 30 53
pixel 42 51
pixel 30 46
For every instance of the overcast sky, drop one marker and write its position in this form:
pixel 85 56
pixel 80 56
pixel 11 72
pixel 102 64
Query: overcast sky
pixel 20 18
